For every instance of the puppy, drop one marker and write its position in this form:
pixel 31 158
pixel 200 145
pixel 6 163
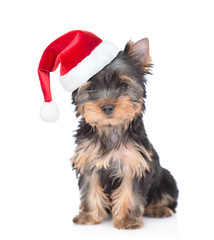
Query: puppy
pixel 118 168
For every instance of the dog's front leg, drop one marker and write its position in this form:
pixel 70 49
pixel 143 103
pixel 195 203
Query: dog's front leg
pixel 127 205
pixel 94 201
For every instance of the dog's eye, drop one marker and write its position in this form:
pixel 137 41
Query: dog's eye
pixel 91 90
pixel 124 86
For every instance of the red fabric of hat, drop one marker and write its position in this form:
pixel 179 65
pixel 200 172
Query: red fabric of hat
pixel 81 55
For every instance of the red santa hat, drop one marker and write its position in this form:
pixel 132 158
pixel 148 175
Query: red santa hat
pixel 81 55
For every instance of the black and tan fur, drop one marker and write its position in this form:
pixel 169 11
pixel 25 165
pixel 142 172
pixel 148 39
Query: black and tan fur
pixel 118 168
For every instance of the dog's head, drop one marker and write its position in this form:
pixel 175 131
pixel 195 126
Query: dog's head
pixel 115 95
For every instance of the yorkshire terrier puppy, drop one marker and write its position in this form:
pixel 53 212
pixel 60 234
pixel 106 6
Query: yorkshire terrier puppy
pixel 118 168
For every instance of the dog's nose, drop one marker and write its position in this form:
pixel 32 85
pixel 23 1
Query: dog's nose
pixel 108 109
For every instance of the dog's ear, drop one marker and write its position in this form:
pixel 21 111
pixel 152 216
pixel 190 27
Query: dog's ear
pixel 140 50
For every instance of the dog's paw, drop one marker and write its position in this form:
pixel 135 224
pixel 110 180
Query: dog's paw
pixel 128 223
pixel 159 212
pixel 86 219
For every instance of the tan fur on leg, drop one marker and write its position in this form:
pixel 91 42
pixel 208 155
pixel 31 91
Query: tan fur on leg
pixel 127 208
pixel 96 201
pixel 159 209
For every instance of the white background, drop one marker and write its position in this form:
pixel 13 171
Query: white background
pixel 38 189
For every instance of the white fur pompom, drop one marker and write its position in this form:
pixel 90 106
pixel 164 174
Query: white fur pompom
pixel 49 112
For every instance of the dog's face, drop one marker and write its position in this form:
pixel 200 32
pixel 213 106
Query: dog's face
pixel 115 95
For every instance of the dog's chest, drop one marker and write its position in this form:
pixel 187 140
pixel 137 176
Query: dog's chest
pixel 123 157
pixel 127 159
